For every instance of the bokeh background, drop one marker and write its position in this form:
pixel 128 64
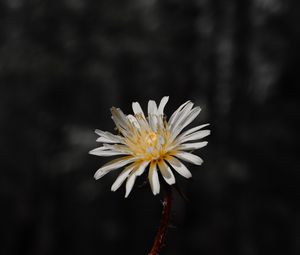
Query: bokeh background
pixel 63 64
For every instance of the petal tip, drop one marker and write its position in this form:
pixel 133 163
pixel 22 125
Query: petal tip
pixel 99 174
pixel 189 176
pixel 172 182
pixel 155 192
pixel 198 163
pixel 92 152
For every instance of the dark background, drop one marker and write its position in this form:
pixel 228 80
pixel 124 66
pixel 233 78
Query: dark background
pixel 63 64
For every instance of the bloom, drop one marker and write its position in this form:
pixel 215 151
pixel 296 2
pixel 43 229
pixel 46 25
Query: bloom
pixel 152 141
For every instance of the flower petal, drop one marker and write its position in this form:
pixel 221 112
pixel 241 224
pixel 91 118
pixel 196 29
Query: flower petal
pixel 181 115
pixel 166 172
pixel 189 157
pixel 120 119
pixel 152 115
pixel 179 167
pixel 190 117
pixel 104 140
pixel 141 168
pixel 192 146
pixel 153 178
pixel 137 109
pixel 112 165
pixel 109 136
pixel 122 176
pixel 142 122
pixel 192 130
pixel 153 121
pixel 118 147
pixel 129 184
pixel 195 136
pixel 173 116
pixel 185 120
pixel 104 152
pixel 162 105
pixel 152 107
pixel 133 121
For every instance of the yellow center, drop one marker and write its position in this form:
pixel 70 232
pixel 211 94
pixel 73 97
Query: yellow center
pixel 145 143
pixel 152 139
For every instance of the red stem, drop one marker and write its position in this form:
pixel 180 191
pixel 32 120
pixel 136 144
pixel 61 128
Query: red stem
pixel 164 223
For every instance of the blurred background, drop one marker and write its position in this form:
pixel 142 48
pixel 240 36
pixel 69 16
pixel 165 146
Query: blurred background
pixel 63 64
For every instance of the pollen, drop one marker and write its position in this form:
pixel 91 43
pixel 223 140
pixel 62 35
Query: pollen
pixel 152 139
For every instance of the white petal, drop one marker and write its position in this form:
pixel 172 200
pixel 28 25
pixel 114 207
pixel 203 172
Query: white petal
pixel 112 165
pixel 189 157
pixel 195 136
pixel 140 170
pixel 120 118
pixel 152 107
pixel 162 105
pixel 152 115
pixel 104 152
pixel 166 172
pixel 104 140
pixel 153 121
pixel 137 109
pixel 179 167
pixel 121 178
pixel 192 146
pixel 153 178
pixel 129 184
pixel 133 121
pixel 118 147
pixel 190 118
pixel 185 120
pixel 102 148
pixel 173 116
pixel 109 136
pixel 142 122
pixel 192 130
pixel 181 115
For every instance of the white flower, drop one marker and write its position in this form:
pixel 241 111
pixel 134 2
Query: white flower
pixel 151 141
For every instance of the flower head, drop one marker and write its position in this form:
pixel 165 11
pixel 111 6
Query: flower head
pixel 151 141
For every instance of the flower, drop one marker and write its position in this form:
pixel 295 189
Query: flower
pixel 152 141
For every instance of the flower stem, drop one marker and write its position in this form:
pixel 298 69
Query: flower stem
pixel 164 223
